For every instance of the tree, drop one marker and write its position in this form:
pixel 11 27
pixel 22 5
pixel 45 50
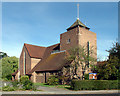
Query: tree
pixel 9 65
pixel 81 58
pixel 2 55
pixel 108 70
pixel 114 61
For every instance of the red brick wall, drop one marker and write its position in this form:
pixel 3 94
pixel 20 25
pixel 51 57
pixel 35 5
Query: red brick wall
pixel 85 36
pixel 72 35
pixel 21 62
pixel 28 61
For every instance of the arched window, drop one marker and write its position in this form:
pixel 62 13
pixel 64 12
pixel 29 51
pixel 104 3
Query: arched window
pixel 24 63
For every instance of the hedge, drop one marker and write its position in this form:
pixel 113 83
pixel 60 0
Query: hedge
pixel 94 84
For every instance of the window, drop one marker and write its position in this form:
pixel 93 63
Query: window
pixel 68 41
pixel 88 45
pixel 24 63
pixel 55 51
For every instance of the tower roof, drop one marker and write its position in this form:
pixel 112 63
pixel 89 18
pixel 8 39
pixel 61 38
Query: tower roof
pixel 76 24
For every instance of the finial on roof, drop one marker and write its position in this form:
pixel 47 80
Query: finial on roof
pixel 77 10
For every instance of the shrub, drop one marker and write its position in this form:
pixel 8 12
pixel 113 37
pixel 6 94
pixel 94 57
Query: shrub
pixel 8 88
pixel 53 80
pixel 15 84
pixel 23 79
pixel 27 85
pixel 114 85
pixel 9 77
pixel 64 79
pixel 86 76
pixel 94 84
pixel 34 88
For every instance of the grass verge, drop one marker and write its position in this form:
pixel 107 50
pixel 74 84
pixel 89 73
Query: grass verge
pixel 58 86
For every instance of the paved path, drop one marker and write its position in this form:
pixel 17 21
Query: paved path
pixel 53 89
pixel 62 92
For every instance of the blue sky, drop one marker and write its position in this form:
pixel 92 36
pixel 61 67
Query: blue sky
pixel 42 23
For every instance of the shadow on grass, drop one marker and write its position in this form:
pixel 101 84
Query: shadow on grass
pixel 46 84
pixel 69 88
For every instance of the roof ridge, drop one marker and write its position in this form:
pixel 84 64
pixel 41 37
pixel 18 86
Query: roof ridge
pixel 34 45
pixel 35 51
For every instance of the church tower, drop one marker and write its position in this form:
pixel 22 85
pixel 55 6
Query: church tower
pixel 78 34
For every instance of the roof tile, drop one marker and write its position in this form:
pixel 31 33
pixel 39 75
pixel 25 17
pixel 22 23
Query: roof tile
pixel 35 51
pixel 76 23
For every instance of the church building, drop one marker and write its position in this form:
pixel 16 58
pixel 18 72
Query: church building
pixel 39 62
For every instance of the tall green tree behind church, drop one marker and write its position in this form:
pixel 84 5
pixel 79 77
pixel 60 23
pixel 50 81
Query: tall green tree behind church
pixel 9 66
pixel 111 68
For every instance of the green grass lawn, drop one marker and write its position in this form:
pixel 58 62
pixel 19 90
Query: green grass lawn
pixel 58 86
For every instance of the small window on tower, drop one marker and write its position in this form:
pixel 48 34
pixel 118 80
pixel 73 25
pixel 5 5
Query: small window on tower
pixel 68 41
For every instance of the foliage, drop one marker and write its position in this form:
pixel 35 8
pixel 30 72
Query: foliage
pixel 9 66
pixel 34 88
pixel 27 85
pixel 8 77
pixel 86 76
pixel 23 79
pixel 15 84
pixel 64 79
pixel 8 88
pixel 53 80
pixel 108 70
pixel 2 55
pixel 115 50
pixel 94 84
pixel 80 57
pixel 24 82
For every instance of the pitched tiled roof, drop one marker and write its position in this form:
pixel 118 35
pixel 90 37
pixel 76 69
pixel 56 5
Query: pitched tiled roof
pixel 76 23
pixel 54 62
pixel 50 62
pixel 49 49
pixel 35 51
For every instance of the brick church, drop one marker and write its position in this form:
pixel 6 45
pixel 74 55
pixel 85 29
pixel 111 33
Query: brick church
pixel 40 62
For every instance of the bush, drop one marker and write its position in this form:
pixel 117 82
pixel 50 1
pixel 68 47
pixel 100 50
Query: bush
pixel 86 76
pixel 64 80
pixel 8 88
pixel 53 80
pixel 9 77
pixel 114 85
pixel 27 85
pixel 34 88
pixel 94 84
pixel 15 84
pixel 23 79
